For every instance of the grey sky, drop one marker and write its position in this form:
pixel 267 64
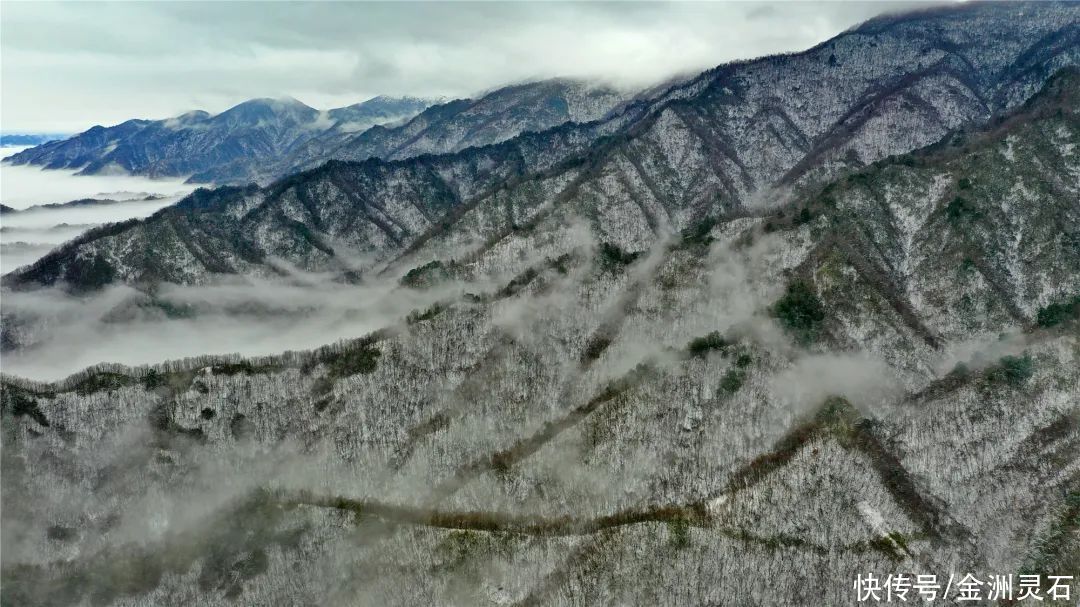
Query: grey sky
pixel 68 66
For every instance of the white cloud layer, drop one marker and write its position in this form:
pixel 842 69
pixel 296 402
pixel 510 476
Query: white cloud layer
pixel 24 186
pixel 68 66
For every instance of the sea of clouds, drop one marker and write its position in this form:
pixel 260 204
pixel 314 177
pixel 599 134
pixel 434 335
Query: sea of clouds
pixel 30 233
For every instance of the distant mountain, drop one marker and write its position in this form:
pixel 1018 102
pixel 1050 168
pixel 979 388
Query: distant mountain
pixel 496 116
pixel 81 203
pixel 736 140
pixel 201 145
pixel 383 110
pixel 262 140
pixel 21 139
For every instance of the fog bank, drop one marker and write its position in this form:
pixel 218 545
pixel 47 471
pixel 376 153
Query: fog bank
pixel 24 186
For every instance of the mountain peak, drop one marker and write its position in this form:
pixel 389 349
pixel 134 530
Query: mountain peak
pixel 387 103
pixel 256 111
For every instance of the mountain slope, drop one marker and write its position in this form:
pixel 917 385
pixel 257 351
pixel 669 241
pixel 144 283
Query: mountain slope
pixel 803 396
pixel 494 117
pixel 234 142
pixel 340 133
pixel 717 145
pixel 726 346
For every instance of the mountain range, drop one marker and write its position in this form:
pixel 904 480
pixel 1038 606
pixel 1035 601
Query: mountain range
pixel 741 340
pixel 264 139
pixel 20 139
pixel 195 143
pixel 732 141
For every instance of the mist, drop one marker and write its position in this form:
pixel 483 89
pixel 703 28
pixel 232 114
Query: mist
pixel 30 234
pixel 22 186
pixel 63 333
pixel 33 231
pixel 17 254
pixel 53 225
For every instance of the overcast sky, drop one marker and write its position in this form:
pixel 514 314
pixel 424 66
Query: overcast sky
pixel 68 66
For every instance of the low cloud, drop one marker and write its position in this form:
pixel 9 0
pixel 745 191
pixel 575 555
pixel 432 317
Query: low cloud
pixel 39 225
pixel 867 382
pixel 102 64
pixel 62 333
pixel 24 186
pixel 982 351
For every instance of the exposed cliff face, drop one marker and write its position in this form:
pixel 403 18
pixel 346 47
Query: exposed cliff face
pixel 719 145
pixel 231 145
pixel 753 410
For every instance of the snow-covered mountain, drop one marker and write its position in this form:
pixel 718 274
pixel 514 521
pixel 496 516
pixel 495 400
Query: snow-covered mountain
pixel 860 387
pixel 496 116
pixel 201 146
pixel 735 140
pixel 264 139
pixel 737 342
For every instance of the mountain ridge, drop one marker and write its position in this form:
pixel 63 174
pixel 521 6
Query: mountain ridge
pixel 737 143
pixel 244 135
pixel 835 485
pixel 459 123
pixel 705 350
